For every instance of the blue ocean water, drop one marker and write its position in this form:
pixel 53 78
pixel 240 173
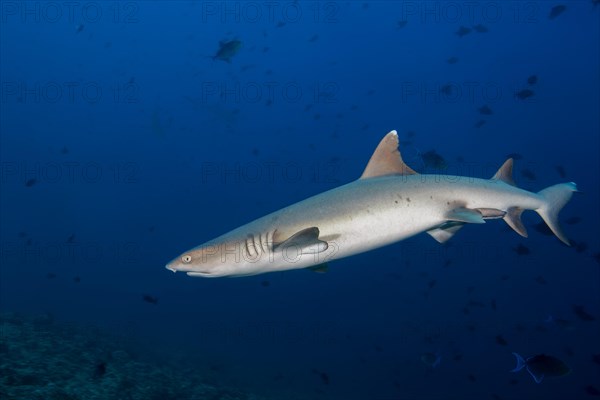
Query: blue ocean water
pixel 132 131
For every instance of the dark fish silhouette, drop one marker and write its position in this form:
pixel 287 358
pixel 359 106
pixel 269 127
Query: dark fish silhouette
pixel 541 280
pixel 463 31
pixel 528 174
pixel 265 283
pixel 100 370
pixel 401 24
pixel 485 110
pixel 480 28
pixel 556 11
pixel 432 360
pixel 71 238
pixel 541 366
pixel 452 60
pixel 501 341
pixel 592 391
pixel 580 312
pixel 446 89
pixel 313 38
pixel 543 229
pixel 77 279
pixel 227 49
pixel 31 182
pixel 522 250
pixel 150 299
pixel 433 160
pixel 532 80
pixel 561 171
pixel 524 94
pixel 479 123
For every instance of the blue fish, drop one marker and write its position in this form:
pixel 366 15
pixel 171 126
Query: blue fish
pixel 541 366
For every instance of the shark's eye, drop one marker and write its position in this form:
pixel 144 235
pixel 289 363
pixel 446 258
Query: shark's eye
pixel 186 259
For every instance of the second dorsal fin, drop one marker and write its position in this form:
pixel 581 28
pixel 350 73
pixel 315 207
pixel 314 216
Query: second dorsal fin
pixel 386 160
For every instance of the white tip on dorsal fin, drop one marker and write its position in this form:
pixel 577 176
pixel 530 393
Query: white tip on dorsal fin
pixel 505 173
pixel 386 160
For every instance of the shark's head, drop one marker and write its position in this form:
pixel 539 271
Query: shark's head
pixel 214 260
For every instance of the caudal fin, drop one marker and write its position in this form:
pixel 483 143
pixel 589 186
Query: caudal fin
pixel 555 197
pixel 520 363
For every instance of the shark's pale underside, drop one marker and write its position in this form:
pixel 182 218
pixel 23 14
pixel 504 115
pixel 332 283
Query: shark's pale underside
pixel 390 202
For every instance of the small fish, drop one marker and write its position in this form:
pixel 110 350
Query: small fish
pixel 501 341
pixel 64 150
pixel 100 370
pixel 561 171
pixel 541 280
pixel 479 123
pixel 580 247
pixel 280 24
pixel 431 360
pixel 463 31
pixel 71 239
pixel 433 160
pixel 541 366
pixel 401 24
pixel 452 60
pixel 543 229
pixel 323 375
pixel 77 279
pixel 30 182
pixel 556 11
pixel 227 49
pixel 527 173
pixel 522 250
pixel 524 94
pixel 485 110
pixel 446 89
pixel 493 304
pixel 79 28
pixel 313 38
pixel 472 377
pixel 480 28
pixel 265 283
pixel 580 312
pixel 592 391
pixel 532 80
pixel 150 299
pixel 573 220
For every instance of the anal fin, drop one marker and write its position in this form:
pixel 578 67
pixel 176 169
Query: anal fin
pixel 513 219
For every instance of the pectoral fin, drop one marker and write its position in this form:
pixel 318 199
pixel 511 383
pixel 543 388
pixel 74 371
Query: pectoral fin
pixel 465 215
pixel 446 231
pixel 305 241
pixel 319 269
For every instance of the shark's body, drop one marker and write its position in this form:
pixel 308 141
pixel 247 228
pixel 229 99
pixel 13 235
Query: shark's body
pixel 389 203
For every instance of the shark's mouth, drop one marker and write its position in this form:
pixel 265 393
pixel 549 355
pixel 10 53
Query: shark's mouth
pixel 201 273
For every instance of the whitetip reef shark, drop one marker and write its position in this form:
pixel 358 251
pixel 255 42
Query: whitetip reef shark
pixel 388 203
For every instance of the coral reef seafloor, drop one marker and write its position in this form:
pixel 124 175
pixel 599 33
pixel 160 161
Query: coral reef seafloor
pixel 45 360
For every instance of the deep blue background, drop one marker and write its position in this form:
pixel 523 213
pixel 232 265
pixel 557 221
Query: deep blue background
pixel 114 130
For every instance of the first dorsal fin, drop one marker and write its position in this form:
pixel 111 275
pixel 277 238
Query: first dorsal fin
pixel 386 160
pixel 505 173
